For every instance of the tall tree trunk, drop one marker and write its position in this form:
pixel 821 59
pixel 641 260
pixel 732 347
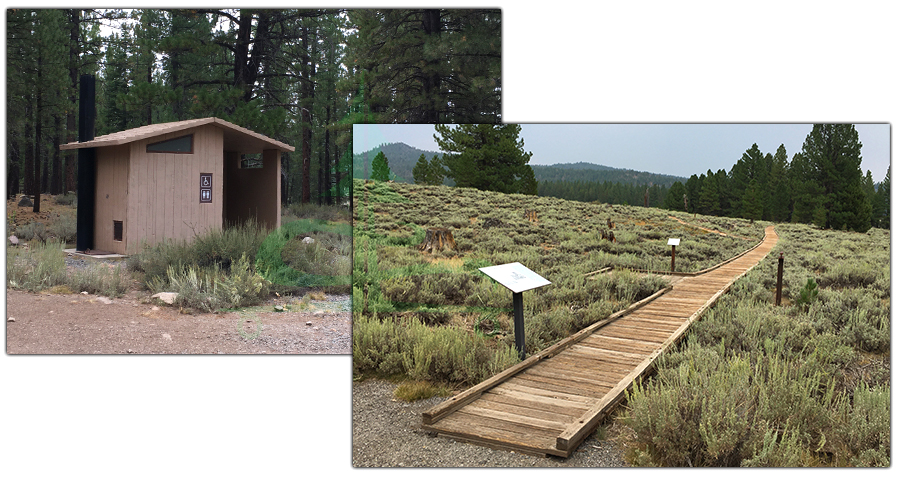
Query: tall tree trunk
pixel 149 83
pixel 431 23
pixel 56 165
pixel 305 116
pixel 326 162
pixel 38 137
pixel 12 176
pixel 246 61
pixel 29 148
pixel 71 122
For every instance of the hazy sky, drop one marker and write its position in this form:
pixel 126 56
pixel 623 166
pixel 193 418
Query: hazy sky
pixel 681 149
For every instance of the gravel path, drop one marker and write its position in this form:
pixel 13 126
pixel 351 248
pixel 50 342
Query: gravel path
pixel 90 324
pixel 388 433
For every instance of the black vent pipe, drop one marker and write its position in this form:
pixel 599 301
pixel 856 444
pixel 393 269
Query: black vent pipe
pixel 87 165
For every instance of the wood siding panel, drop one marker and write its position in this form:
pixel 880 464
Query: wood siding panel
pixel 164 198
pixel 110 199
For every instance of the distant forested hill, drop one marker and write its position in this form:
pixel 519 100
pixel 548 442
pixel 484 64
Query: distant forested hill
pixel 574 181
pixel 589 172
pixel 401 160
pixel 589 182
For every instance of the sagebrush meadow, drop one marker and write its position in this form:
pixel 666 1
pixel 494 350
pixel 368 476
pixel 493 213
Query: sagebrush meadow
pixel 806 383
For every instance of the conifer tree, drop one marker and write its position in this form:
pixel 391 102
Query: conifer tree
pixel 779 206
pixel 833 150
pixel 428 172
pixel 708 202
pixel 675 197
pixel 487 157
pixel 429 65
pixel 882 203
pixel 381 171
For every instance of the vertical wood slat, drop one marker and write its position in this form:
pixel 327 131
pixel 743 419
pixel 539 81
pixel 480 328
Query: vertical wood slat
pixel 169 204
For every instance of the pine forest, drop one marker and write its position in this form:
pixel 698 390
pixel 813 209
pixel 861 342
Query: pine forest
pixel 301 76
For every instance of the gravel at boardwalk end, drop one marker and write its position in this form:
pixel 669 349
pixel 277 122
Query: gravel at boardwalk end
pixel 388 433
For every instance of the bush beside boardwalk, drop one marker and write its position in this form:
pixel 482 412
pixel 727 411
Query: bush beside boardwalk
pixel 796 385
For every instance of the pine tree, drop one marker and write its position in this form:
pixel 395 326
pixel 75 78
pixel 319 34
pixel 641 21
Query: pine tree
pixel 709 200
pixel 487 157
pixel 692 189
pixel 834 152
pixel 675 197
pixel 779 206
pixel 868 186
pixel 428 65
pixel 428 172
pixel 882 202
pixel 381 171
pixel 753 201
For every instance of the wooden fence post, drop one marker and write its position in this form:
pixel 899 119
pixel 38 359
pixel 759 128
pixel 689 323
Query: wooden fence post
pixel 778 281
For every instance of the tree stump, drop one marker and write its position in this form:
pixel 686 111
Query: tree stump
pixel 437 239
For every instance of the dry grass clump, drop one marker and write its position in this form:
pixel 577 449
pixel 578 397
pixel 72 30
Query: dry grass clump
pixel 410 391
pixel 42 267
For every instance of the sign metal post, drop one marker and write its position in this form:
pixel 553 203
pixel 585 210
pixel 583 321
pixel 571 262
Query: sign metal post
pixel 518 279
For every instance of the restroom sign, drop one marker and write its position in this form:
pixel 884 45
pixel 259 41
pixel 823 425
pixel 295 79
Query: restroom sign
pixel 205 187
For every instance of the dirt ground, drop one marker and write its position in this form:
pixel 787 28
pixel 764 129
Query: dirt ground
pixel 91 324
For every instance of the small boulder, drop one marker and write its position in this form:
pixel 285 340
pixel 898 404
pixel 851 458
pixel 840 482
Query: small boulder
pixel 25 202
pixel 308 240
pixel 167 297
pixel 14 240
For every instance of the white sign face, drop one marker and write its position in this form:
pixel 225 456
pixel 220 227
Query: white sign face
pixel 674 241
pixel 515 276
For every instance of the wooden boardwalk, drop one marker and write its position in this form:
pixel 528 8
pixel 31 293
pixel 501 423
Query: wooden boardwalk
pixel 548 403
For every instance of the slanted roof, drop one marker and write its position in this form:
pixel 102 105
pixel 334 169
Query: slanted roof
pixel 237 138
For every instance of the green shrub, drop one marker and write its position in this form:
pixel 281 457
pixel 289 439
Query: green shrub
pixel 64 228
pixel 868 427
pixel 32 231
pixel 66 199
pixel 218 248
pixel 404 345
pixel 37 268
pixel 270 261
pixel 808 293
pixel 326 255
pixel 318 212
pixel 213 289
pixel 99 278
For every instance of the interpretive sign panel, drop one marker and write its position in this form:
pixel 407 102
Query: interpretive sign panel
pixel 515 276
pixel 674 241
